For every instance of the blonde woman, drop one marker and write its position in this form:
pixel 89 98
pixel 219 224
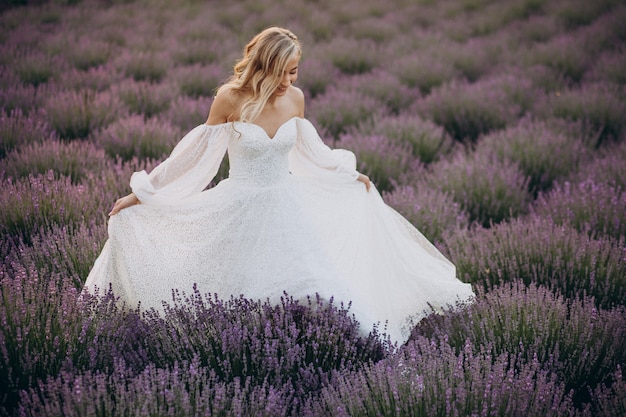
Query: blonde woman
pixel 294 216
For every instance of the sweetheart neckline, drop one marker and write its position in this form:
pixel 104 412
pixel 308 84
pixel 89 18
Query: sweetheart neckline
pixel 265 131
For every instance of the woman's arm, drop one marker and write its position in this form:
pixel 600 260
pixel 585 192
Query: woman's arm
pixel 316 150
pixel 217 114
pixel 311 157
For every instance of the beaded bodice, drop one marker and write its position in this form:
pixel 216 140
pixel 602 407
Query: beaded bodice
pixel 257 158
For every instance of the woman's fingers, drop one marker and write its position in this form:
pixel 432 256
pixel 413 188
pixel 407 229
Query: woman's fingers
pixel 122 203
pixel 365 180
pixel 116 207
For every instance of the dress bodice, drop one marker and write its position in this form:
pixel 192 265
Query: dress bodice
pixel 256 157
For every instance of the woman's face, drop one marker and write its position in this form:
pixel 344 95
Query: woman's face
pixel 290 75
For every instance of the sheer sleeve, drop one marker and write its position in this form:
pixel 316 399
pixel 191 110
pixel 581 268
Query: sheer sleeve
pixel 187 171
pixel 311 157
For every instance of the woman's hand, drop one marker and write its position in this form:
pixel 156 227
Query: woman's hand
pixel 124 202
pixel 365 180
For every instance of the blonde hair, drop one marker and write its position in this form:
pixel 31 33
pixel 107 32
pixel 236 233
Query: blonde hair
pixel 259 72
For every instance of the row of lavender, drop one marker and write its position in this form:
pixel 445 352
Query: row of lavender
pixel 497 127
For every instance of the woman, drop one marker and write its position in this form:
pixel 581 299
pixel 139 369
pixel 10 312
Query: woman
pixel 294 216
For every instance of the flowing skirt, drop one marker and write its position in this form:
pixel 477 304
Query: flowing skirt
pixel 300 236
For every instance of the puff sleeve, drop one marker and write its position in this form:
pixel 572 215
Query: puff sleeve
pixel 311 157
pixel 191 166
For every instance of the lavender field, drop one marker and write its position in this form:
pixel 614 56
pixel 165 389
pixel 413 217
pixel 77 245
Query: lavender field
pixel 497 127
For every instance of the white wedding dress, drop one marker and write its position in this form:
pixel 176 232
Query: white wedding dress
pixel 291 218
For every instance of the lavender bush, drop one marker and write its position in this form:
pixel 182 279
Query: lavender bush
pixel 18 129
pixel 610 67
pixel 36 68
pixel 426 140
pixel 535 250
pixel 185 389
pixel 384 160
pixel 433 379
pixel 468 110
pixel 488 189
pixel 98 79
pixel 383 87
pixel 600 107
pixel 19 97
pixel 424 72
pixel 144 66
pixel 542 154
pixel 69 252
pixel 43 201
pixel 187 113
pixel 316 75
pixel 239 349
pixel 534 323
pixel 199 81
pixel 49 327
pixel 374 28
pixel 336 111
pixel 362 57
pixel 537 28
pixel 496 16
pixel 609 399
pixel 69 159
pixel 88 53
pixel 197 49
pixel 434 212
pixel 473 58
pixel 293 343
pixel 74 115
pixel 34 331
pixel 595 208
pixel 563 54
pixel 607 167
pixel 145 98
pixel 134 136
pixel 575 14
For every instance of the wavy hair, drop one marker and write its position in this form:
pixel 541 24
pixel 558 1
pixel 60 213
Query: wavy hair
pixel 259 72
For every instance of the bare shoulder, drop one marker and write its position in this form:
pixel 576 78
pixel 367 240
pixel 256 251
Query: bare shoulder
pixel 224 106
pixel 296 96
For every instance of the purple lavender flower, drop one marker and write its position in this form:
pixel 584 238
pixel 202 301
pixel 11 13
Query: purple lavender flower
pixel 599 107
pixel 488 189
pixel 427 141
pixel 75 115
pixel 18 129
pixel 71 159
pixel 542 153
pixel 468 110
pixel 433 212
pixel 535 250
pixel 145 98
pixel 353 56
pixel 199 80
pixel 593 207
pixel 136 137
pixel 384 160
pixel 336 111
